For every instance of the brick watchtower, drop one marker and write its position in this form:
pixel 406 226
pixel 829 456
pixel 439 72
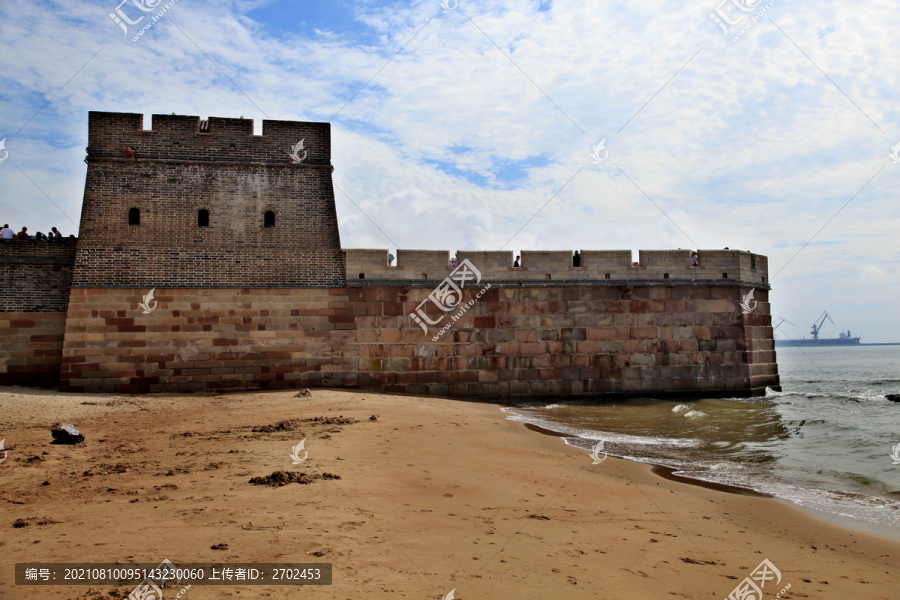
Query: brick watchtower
pixel 207 204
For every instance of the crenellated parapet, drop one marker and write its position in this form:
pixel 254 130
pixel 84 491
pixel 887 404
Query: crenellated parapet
pixel 597 266
pixel 213 140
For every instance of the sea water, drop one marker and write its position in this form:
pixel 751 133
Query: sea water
pixel 823 443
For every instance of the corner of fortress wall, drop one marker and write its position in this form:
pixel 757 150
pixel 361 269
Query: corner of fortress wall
pixel 238 305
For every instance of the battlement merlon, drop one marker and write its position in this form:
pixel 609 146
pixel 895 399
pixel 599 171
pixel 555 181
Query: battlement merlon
pixel 217 139
pixel 722 267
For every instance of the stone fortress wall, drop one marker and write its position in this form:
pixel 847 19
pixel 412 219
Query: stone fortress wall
pixel 535 265
pixel 242 302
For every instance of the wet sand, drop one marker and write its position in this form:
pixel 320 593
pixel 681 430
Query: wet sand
pixel 434 495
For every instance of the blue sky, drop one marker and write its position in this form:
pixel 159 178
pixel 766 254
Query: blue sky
pixel 452 129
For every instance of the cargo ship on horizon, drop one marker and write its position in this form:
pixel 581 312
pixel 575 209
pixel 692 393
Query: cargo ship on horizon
pixel 843 339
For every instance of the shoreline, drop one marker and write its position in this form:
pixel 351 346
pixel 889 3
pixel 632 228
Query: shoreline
pixel 669 473
pixel 434 494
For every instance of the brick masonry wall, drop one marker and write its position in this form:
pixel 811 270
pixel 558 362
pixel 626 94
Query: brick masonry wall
pixel 35 276
pixel 31 351
pixel 178 170
pixel 511 342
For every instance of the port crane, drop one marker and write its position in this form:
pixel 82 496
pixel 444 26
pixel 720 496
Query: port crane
pixel 817 326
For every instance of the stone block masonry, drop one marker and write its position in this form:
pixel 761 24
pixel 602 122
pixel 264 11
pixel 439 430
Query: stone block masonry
pixel 31 347
pixel 514 342
pixel 35 277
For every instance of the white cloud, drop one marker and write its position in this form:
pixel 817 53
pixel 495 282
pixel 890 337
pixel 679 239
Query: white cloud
pixel 749 146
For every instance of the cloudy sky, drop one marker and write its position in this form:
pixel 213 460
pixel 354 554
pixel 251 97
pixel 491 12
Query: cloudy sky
pixel 472 128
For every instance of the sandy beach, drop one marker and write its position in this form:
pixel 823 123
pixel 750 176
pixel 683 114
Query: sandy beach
pixel 433 495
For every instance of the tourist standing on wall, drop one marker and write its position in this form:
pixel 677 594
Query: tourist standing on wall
pixel 516 262
pixel 453 262
pixel 6 233
pixel 55 234
pixel 23 235
pixel 694 261
pixel 576 259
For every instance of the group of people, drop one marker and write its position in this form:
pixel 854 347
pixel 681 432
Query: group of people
pixel 6 233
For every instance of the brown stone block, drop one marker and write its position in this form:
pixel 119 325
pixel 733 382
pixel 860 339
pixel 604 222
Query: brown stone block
pixel 526 335
pixel 632 346
pixel 369 364
pixel 427 377
pixel 468 376
pixel 601 334
pixel 507 348
pixel 392 309
pixel 641 333
pixel 390 336
pixel 48 338
pixel 392 323
pixel 448 377
pixel 537 348
pixel 516 308
pixel 638 306
pixel 549 374
pixel 485 322
pixel 458 389
pixel 387 294
pixel 507 375
pixel 341 319
pixel 589 347
pixel 590 373
pixel 488 376
pixel 700 333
